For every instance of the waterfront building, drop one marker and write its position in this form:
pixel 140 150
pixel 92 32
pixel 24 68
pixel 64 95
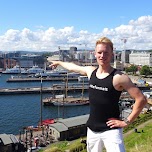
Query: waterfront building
pixel 26 63
pixel 7 63
pixel 140 58
pixel 69 129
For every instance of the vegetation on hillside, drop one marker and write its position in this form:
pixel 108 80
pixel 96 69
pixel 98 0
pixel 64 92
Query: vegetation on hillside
pixel 139 141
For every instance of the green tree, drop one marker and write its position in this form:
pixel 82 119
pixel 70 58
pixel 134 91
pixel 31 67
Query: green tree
pixel 145 70
pixel 133 69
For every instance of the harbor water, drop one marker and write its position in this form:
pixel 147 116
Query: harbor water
pixel 19 111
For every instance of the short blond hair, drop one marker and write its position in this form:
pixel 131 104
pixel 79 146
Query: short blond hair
pixel 105 40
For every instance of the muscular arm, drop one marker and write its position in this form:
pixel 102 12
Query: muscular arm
pixel 123 82
pixel 135 93
pixel 83 70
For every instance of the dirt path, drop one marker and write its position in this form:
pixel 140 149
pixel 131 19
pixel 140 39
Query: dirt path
pixel 138 127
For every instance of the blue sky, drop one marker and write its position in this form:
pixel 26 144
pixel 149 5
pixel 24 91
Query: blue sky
pixel 46 24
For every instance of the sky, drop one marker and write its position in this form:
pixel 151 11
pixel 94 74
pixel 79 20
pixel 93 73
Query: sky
pixel 46 25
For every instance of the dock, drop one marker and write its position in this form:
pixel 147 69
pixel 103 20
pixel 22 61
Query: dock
pixel 37 90
pixel 54 88
pixel 39 79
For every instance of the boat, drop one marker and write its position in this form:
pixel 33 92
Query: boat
pixel 57 73
pixel 47 122
pixel 51 73
pixel 62 73
pixel 15 70
pixel 65 100
pixel 35 69
pixel 60 100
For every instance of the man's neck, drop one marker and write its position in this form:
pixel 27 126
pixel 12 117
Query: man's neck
pixel 103 69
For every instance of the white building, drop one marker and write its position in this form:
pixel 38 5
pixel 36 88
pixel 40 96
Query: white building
pixel 140 58
pixel 118 65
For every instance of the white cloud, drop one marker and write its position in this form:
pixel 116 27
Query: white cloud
pixel 138 34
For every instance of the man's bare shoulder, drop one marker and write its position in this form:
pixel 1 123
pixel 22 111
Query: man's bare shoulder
pixel 120 74
pixel 89 70
pixel 122 79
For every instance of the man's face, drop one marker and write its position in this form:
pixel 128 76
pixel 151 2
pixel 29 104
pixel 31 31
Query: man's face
pixel 103 54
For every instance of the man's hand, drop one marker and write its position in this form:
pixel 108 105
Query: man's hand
pixel 54 64
pixel 114 123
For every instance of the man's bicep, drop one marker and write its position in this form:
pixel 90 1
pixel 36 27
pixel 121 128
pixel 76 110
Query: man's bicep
pixel 129 86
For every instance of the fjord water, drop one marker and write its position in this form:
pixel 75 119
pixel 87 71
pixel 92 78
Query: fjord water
pixel 18 111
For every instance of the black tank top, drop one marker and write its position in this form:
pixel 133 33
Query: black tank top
pixel 104 100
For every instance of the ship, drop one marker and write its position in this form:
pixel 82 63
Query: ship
pixel 33 70
pixel 15 70
pixel 61 100
pixel 65 100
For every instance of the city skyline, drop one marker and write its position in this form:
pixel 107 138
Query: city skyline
pixel 47 25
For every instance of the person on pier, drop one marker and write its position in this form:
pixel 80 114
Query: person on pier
pixel 104 126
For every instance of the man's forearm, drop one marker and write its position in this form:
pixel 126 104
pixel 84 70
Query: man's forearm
pixel 68 65
pixel 137 108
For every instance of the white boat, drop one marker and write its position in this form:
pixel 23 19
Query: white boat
pixel 57 73
pixel 35 69
pixel 15 70
pixel 83 79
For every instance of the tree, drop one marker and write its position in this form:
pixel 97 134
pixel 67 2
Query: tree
pixel 132 68
pixel 145 70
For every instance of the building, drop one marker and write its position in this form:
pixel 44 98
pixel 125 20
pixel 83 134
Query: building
pixel 118 65
pixel 140 58
pixel 10 143
pixel 30 60
pixel 69 129
pixel 7 63
pixel 125 56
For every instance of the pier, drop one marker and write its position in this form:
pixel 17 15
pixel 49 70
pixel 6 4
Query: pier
pixel 39 79
pixel 36 90
pixel 54 88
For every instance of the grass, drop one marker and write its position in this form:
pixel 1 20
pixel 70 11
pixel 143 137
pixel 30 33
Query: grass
pixel 140 141
pixel 64 145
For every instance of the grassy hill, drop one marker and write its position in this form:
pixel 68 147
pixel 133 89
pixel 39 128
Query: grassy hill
pixel 140 141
